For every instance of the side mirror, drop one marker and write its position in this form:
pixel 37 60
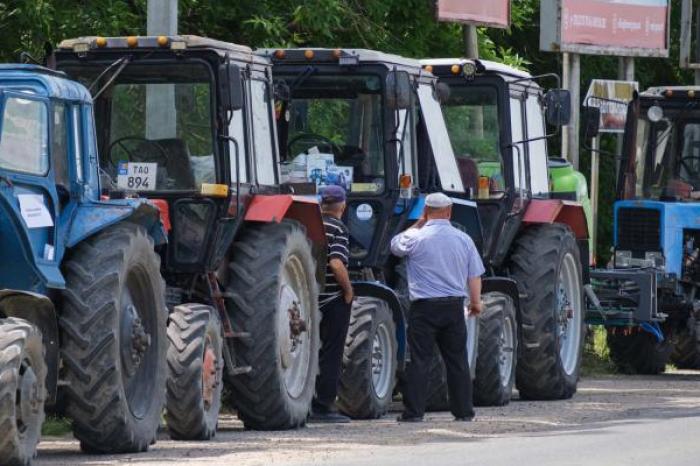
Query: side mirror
pixel 398 90
pixel 591 122
pixel 231 87
pixel 558 103
pixel 442 92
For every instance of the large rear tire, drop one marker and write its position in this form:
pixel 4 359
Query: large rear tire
pixel 22 391
pixel 195 371
pixel 369 361
pixel 498 344
pixel 114 341
pixel 639 352
pixel 272 268
pixel 546 265
pixel 686 350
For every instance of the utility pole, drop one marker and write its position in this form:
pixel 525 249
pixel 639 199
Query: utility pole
pixel 574 87
pixel 160 98
pixel 471 41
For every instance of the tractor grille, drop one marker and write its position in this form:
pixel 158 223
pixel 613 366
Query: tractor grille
pixel 639 229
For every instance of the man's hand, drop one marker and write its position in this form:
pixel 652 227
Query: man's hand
pixel 420 222
pixel 475 307
pixel 348 296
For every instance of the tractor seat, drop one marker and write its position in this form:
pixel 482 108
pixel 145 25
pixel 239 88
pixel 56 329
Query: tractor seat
pixel 469 172
pixel 178 167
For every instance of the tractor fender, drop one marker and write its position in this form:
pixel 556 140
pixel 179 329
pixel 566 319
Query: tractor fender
pixel 548 211
pixel 508 287
pixel 92 217
pixel 40 311
pixel 381 291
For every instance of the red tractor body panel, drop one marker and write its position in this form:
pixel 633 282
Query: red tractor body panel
pixel 558 211
pixel 275 208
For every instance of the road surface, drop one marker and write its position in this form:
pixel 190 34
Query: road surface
pixel 611 420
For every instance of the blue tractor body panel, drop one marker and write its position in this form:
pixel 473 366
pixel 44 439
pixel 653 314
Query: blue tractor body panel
pixel 675 217
pixel 75 211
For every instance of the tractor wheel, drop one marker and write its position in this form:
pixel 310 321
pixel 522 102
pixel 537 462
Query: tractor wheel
pixel 498 340
pixel 274 297
pixel 195 371
pixel 22 391
pixel 546 265
pixel 686 350
pixel 639 352
pixel 369 361
pixel 114 342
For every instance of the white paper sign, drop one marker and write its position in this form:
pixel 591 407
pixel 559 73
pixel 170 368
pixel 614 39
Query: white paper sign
pixel 136 176
pixel 34 211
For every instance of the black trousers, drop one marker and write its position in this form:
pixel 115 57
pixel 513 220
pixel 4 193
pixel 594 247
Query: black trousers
pixel 440 322
pixel 334 328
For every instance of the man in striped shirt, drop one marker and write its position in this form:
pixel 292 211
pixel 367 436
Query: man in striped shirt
pixel 336 302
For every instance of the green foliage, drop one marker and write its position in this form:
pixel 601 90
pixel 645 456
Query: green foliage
pixel 406 27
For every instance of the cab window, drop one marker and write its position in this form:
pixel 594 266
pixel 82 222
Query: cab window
pixel 59 145
pixel 25 137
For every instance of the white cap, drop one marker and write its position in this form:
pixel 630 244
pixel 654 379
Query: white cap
pixel 437 200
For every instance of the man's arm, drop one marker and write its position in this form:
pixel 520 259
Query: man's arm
pixel 403 243
pixel 340 272
pixel 475 305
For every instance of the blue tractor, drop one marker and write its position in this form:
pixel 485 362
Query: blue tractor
pixel 648 293
pixel 82 310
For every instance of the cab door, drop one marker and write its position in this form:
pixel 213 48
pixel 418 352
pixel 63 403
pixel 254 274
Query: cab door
pixel 28 189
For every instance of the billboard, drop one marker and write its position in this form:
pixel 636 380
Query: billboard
pixel 494 13
pixel 606 27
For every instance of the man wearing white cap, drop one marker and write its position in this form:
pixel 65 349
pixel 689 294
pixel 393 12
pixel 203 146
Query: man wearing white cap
pixel 444 268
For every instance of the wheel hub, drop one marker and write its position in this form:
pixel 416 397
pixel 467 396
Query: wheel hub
pixel 28 397
pixel 209 379
pixel 135 341
pixel 377 356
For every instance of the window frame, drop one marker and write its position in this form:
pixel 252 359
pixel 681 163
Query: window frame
pixel 267 92
pixel 10 94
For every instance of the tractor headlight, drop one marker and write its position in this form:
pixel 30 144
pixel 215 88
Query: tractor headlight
pixel 655 259
pixel 623 259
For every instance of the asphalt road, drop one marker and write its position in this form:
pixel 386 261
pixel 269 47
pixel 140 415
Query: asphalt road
pixel 611 421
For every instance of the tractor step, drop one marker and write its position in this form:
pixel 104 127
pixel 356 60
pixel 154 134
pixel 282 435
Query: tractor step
pixel 240 370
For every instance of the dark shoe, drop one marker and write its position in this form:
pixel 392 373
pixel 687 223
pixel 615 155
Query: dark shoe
pixel 403 418
pixel 465 419
pixel 329 418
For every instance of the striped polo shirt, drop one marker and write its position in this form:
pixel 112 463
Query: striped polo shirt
pixel 338 239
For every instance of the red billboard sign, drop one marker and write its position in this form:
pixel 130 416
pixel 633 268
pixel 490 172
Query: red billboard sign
pixel 494 13
pixel 620 27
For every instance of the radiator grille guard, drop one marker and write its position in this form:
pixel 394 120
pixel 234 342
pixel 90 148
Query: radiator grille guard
pixel 638 229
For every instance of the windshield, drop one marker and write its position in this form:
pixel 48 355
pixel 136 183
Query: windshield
pixel 332 132
pixel 471 115
pixel 668 157
pixel 155 126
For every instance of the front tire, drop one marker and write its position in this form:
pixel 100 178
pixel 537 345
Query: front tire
pixel 369 361
pixel 195 372
pixel 272 269
pixel 547 267
pixel 114 342
pixel 498 343
pixel 638 352
pixel 686 350
pixel 22 391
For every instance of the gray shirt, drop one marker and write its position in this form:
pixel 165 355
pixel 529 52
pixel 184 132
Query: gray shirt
pixel 440 259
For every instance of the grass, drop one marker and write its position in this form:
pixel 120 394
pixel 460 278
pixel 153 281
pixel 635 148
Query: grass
pixel 596 355
pixel 56 426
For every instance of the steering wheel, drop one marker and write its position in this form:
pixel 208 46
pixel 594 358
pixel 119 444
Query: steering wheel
pixel 689 168
pixel 313 139
pixel 161 157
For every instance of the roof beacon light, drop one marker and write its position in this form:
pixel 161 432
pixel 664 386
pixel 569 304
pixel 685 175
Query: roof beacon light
pixel 691 93
pixel 163 41
pixel 337 53
pixel 428 68
pixel 132 41
pixel 455 69
pixel 101 42
pixel 309 54
pixel 280 54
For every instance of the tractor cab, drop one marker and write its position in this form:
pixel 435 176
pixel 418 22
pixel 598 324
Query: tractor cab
pixel 370 122
pixel 497 119
pixel 185 120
